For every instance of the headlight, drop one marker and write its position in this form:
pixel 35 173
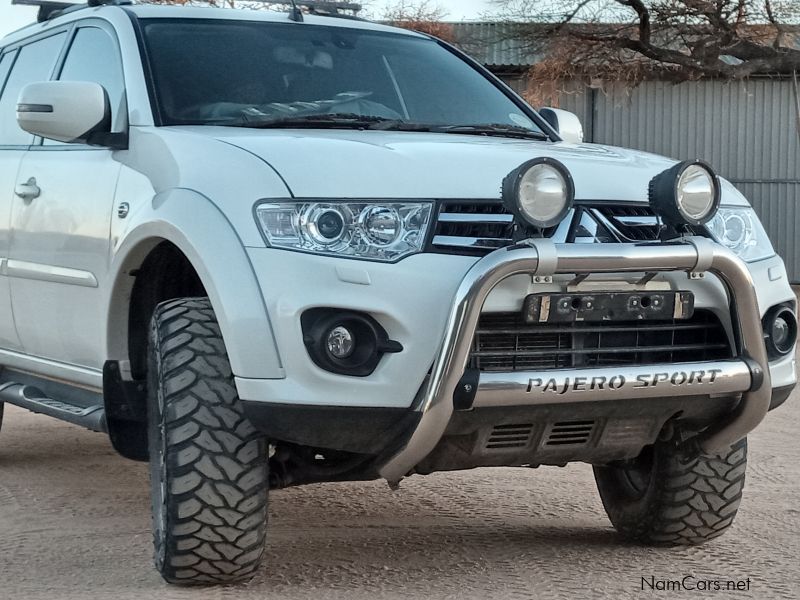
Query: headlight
pixel 383 231
pixel 688 193
pixel 539 193
pixel 740 230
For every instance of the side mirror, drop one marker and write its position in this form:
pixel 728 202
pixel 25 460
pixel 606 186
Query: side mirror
pixel 567 124
pixel 65 111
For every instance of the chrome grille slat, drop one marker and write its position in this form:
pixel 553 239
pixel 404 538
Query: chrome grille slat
pixel 474 218
pixel 453 241
pixel 472 227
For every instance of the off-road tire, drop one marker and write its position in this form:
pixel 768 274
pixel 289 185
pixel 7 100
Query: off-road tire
pixel 674 495
pixel 208 465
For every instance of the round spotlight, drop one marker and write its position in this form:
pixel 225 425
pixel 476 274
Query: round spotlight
pixel 540 192
pixel 687 193
pixel 780 331
pixel 340 342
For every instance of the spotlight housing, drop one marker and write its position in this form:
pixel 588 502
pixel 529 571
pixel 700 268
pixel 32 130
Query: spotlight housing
pixel 539 192
pixel 686 194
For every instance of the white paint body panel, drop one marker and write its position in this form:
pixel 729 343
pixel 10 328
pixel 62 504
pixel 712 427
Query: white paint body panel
pixel 58 262
pixel 197 186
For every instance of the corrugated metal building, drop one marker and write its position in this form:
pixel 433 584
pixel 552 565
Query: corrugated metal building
pixel 749 131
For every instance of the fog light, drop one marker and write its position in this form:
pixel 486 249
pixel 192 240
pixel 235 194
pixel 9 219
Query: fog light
pixel 345 342
pixel 340 342
pixel 780 331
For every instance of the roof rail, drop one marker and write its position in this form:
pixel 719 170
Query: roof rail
pixel 50 9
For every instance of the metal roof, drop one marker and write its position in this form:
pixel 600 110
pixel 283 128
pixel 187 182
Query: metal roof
pixel 501 45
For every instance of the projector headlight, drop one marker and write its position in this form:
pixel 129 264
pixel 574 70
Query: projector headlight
pixel 381 231
pixel 688 193
pixel 740 230
pixel 539 193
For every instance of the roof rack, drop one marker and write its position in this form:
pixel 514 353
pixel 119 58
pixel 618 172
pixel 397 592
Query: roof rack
pixel 330 8
pixel 50 9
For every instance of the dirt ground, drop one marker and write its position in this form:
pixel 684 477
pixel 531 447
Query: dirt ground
pixel 74 524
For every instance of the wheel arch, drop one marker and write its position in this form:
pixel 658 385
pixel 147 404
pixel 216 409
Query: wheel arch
pixel 196 228
pixel 179 245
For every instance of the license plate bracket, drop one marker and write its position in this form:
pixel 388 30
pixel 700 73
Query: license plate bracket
pixel 608 306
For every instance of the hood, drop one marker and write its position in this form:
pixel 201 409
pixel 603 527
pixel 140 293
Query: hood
pixel 376 164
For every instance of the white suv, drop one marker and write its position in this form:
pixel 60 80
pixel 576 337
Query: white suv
pixel 263 250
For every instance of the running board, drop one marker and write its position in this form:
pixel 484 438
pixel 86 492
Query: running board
pixel 31 398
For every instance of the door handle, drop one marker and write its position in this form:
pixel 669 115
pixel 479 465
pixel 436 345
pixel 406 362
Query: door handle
pixel 28 190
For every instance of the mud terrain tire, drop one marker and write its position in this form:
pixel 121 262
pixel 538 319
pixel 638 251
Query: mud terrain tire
pixel 673 494
pixel 208 465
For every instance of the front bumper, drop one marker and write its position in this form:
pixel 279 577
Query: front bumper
pixel 748 375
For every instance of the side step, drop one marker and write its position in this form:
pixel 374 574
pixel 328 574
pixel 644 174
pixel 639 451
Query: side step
pixel 33 399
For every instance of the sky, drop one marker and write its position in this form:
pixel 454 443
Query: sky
pixel 14 17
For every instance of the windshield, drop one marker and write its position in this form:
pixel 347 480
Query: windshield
pixel 249 73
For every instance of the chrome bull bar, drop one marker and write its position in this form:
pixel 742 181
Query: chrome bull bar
pixel 748 375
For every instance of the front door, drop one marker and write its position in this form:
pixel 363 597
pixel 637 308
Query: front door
pixel 60 241
pixel 19 65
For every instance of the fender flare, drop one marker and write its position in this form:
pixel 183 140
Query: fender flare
pixel 196 226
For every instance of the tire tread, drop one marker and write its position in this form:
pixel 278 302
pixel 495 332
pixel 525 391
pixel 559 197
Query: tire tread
pixel 215 511
pixel 693 497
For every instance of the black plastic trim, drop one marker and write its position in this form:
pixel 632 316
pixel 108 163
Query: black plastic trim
pixel 780 395
pixel 464 394
pixel 371 341
pixel 787 308
pixel 349 429
pixel 756 372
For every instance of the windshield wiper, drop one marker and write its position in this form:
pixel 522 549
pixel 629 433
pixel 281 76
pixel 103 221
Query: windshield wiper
pixel 510 131
pixel 356 121
pixel 327 120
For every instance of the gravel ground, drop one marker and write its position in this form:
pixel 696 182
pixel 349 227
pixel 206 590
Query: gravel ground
pixel 74 524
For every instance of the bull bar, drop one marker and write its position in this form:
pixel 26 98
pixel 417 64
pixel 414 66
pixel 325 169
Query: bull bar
pixel 748 374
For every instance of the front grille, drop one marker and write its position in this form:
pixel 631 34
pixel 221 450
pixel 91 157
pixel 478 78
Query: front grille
pixel 634 223
pixel 476 227
pixel 504 342
pixel 472 227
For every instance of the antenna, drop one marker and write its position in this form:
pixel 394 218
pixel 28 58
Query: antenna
pixel 296 14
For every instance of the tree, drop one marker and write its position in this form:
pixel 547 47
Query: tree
pixel 422 15
pixel 678 40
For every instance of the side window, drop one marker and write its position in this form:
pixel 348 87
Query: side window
pixel 93 56
pixel 34 62
pixel 5 66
